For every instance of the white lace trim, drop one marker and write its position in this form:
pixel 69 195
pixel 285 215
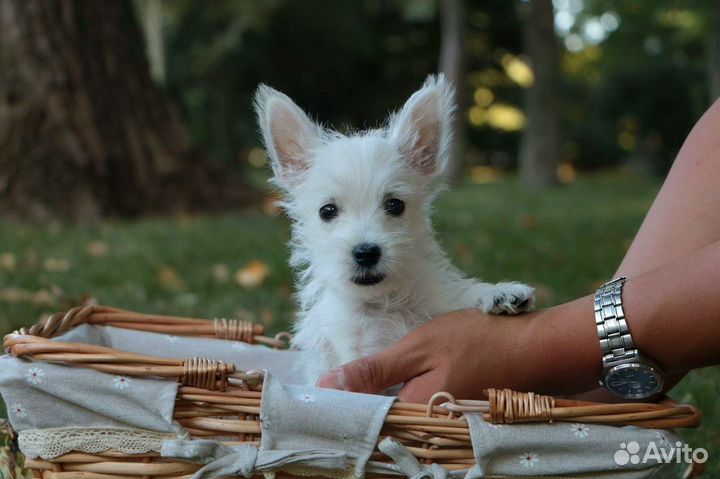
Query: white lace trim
pixel 51 443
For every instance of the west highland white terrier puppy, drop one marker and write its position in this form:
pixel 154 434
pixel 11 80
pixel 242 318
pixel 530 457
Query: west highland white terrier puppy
pixel 369 267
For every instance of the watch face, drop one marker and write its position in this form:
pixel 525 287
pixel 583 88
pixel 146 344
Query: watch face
pixel 633 380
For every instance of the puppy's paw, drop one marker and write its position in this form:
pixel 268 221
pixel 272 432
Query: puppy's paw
pixel 511 298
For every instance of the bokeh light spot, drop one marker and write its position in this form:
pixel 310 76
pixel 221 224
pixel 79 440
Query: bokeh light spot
pixel 483 96
pixel 257 158
pixel 506 117
pixel 476 115
pixel 518 70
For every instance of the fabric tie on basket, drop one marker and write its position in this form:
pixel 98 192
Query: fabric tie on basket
pixel 245 460
pixel 407 463
pixel 300 418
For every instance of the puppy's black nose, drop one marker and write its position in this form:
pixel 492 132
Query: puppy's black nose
pixel 366 254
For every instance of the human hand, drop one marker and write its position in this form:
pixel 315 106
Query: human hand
pixel 465 352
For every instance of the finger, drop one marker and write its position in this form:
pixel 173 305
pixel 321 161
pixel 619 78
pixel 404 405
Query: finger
pixel 421 388
pixel 396 364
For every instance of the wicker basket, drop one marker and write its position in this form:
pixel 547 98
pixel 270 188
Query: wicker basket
pixel 211 391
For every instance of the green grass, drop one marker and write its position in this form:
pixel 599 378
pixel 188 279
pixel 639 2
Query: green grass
pixel 566 242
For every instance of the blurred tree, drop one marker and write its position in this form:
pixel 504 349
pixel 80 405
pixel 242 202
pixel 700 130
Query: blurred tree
pixel 152 17
pixel 452 64
pixel 540 144
pixel 83 129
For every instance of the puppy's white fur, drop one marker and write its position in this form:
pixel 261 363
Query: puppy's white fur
pixel 339 320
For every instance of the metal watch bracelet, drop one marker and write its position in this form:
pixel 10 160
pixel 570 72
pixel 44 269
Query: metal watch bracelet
pixel 615 340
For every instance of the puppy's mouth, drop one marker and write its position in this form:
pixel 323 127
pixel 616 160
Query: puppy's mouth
pixel 368 279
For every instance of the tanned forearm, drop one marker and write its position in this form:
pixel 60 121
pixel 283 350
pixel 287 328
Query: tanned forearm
pixel 673 313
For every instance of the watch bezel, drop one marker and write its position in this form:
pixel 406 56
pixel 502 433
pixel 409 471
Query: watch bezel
pixel 655 370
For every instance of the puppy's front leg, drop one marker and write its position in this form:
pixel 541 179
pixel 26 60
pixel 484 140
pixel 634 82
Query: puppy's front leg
pixel 500 298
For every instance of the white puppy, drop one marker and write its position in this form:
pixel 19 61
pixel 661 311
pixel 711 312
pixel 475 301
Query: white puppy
pixel 370 269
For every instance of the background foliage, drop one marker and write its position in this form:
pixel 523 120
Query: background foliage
pixel 633 89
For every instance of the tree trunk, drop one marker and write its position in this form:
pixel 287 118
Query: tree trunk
pixel 540 144
pixel 452 64
pixel 84 130
pixel 155 46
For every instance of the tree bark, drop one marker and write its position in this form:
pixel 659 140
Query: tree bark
pixel 155 46
pixel 84 131
pixel 540 144
pixel 452 64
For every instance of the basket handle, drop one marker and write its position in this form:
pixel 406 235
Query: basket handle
pixel 505 406
pixel 35 342
pixel 239 330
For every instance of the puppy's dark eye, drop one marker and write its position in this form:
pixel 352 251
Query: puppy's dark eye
pixel 328 212
pixel 394 206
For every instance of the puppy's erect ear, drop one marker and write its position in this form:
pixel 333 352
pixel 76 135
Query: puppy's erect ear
pixel 421 129
pixel 288 133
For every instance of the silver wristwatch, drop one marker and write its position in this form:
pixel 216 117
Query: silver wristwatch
pixel 626 372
